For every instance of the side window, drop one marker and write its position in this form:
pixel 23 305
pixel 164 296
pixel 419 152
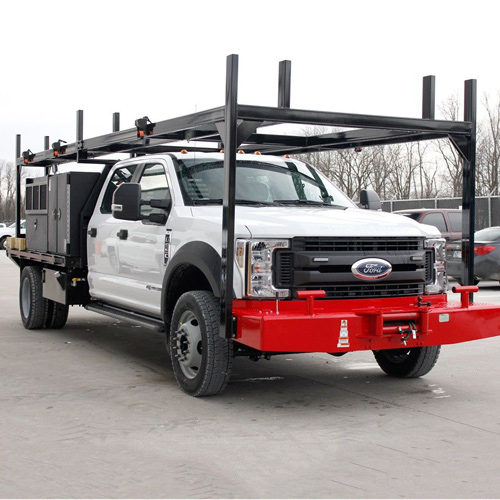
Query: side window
pixel 435 219
pixel 456 221
pixel 121 175
pixel 154 185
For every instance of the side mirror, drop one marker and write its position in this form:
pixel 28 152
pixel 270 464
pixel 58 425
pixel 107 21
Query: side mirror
pixel 127 202
pixel 369 199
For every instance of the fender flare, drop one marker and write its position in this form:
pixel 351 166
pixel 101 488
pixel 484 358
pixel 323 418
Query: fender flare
pixel 200 255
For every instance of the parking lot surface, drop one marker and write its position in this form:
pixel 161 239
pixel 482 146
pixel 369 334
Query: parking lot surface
pixel 93 411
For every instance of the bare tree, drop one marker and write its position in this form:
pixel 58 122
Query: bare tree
pixel 450 158
pixel 7 190
pixel 10 191
pixel 488 149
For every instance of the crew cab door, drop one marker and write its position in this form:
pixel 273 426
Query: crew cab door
pixel 128 266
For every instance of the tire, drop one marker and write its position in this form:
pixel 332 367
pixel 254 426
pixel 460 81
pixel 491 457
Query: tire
pixel 201 359
pixel 57 315
pixel 476 281
pixel 408 363
pixel 3 243
pixel 32 305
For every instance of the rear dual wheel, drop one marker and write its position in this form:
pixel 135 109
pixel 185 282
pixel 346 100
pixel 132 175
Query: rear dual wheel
pixel 36 311
pixel 32 305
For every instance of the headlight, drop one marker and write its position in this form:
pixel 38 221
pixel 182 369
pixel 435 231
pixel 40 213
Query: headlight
pixel 440 282
pixel 255 258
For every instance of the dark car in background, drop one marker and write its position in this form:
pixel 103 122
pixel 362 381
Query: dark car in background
pixel 447 220
pixel 486 256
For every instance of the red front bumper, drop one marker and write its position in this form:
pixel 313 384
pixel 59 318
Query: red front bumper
pixel 363 324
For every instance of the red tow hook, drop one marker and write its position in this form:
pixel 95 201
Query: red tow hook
pixel 464 292
pixel 310 295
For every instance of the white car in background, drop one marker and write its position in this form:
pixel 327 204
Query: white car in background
pixel 5 232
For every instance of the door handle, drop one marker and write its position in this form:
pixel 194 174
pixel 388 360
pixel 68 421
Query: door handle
pixel 122 234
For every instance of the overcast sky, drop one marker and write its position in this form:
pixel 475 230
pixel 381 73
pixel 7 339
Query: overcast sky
pixel 167 58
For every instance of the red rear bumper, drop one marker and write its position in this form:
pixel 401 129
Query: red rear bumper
pixel 363 324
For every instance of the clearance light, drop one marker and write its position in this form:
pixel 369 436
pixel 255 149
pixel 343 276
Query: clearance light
pixel 184 151
pixel 257 153
pixel 241 152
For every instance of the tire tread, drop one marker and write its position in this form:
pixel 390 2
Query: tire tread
pixel 420 361
pixel 219 355
pixel 38 306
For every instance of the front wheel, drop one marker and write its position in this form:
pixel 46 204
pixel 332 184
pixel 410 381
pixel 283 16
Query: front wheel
pixel 201 359
pixel 408 363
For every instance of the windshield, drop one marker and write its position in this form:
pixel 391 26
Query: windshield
pixel 258 182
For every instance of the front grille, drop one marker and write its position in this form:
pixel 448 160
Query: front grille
pixel 284 276
pixel 325 264
pixel 358 244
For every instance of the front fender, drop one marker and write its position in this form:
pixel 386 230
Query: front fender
pixel 199 255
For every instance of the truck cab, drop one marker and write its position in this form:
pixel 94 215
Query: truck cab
pixel 279 203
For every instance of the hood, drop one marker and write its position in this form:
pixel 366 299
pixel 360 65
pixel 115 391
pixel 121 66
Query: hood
pixel 287 222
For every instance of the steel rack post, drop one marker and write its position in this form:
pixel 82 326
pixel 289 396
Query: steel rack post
pixel 79 136
pixel 228 205
pixel 284 84
pixel 46 147
pixel 469 185
pixel 116 122
pixel 429 97
pixel 18 186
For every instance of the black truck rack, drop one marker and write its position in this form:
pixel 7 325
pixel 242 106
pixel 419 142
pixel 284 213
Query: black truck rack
pixel 236 127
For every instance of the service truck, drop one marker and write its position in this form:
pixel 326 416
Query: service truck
pixel 232 246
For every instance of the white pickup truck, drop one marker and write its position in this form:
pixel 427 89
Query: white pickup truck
pixel 312 271
pixel 244 254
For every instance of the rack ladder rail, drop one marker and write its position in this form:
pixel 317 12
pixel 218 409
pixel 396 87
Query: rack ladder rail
pixel 235 126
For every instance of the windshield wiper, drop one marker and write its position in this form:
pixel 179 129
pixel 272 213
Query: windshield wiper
pixel 310 203
pixel 239 201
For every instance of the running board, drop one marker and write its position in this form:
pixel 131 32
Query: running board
pixel 130 317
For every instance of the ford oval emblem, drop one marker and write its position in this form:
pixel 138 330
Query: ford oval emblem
pixel 371 269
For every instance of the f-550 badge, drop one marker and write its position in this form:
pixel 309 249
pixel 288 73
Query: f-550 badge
pixel 371 269
pixel 166 251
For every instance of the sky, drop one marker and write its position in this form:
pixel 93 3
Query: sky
pixel 167 58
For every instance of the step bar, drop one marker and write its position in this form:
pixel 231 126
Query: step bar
pixel 129 317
